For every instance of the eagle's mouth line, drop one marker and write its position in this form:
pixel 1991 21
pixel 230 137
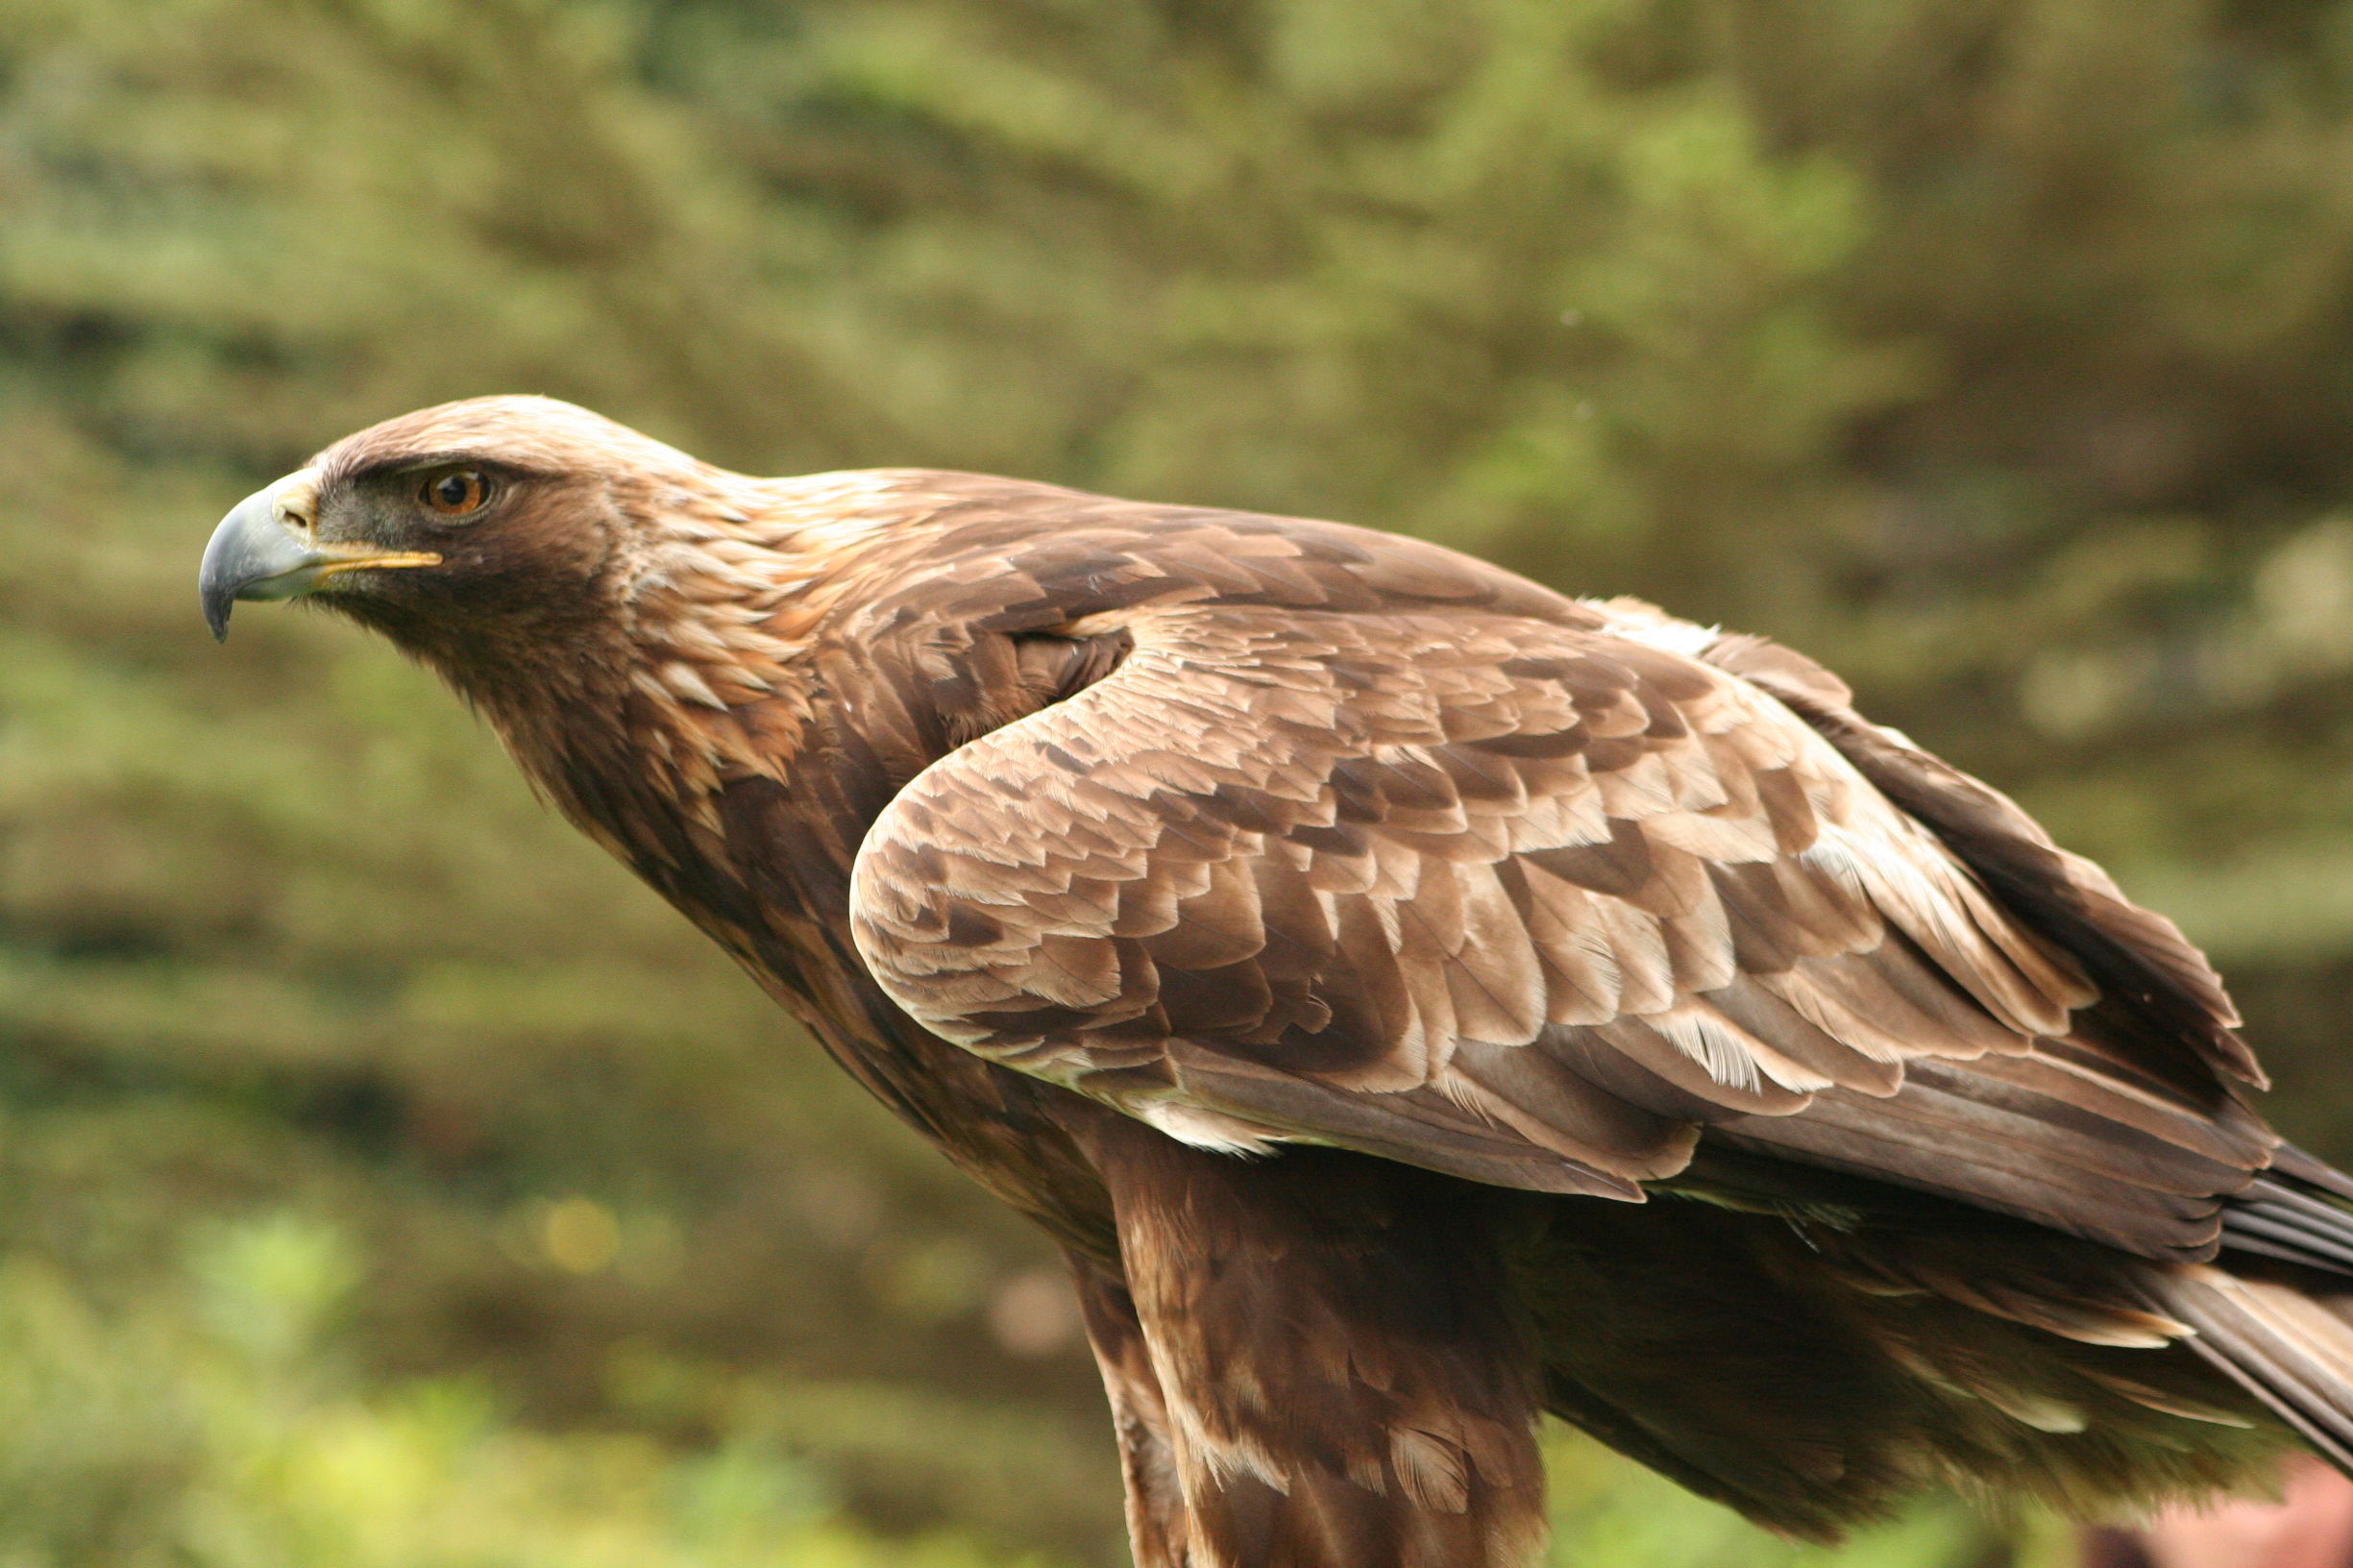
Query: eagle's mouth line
pixel 385 560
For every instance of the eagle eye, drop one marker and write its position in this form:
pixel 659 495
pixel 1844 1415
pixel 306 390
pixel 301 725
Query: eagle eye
pixel 456 492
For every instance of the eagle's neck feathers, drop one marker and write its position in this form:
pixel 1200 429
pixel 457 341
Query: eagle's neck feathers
pixel 716 592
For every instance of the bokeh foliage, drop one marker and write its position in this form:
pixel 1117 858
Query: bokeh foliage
pixel 1998 351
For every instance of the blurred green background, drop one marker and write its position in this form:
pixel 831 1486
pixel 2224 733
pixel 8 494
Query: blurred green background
pixel 387 1181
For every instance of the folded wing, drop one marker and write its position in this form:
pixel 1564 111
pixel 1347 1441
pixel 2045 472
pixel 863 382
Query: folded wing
pixel 1536 904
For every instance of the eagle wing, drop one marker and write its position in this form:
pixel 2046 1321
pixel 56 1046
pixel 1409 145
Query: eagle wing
pixel 1534 904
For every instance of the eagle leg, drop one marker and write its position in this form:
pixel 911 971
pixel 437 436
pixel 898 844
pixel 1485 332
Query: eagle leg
pixel 1345 1379
pixel 1156 1515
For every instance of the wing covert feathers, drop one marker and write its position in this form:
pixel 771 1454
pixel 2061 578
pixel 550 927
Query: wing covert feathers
pixel 2143 966
pixel 1535 901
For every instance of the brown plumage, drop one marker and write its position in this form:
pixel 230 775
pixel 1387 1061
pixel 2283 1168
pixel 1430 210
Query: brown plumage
pixel 1413 999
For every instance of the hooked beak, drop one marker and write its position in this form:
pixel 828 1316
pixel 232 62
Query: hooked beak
pixel 266 547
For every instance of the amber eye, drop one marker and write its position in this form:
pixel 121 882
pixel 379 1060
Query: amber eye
pixel 454 494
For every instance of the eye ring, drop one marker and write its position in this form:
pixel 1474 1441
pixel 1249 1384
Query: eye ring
pixel 456 492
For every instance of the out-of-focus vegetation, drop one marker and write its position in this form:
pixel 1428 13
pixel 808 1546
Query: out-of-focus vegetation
pixel 219 1435
pixel 385 1178
pixel 211 1425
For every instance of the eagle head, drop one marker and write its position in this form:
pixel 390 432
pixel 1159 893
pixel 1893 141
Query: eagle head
pixel 470 532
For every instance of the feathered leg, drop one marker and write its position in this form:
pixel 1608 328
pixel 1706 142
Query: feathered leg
pixel 1155 1513
pixel 1345 1384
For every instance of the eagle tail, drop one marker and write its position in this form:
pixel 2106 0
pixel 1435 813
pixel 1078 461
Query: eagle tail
pixel 2274 1313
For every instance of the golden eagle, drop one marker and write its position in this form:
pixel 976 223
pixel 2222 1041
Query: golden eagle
pixel 1414 1000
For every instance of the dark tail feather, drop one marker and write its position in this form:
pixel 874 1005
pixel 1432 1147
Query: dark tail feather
pixel 2273 1219
pixel 2282 1334
pixel 2295 1211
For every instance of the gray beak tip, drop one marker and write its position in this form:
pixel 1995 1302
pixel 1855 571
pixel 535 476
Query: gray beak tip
pixel 246 553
